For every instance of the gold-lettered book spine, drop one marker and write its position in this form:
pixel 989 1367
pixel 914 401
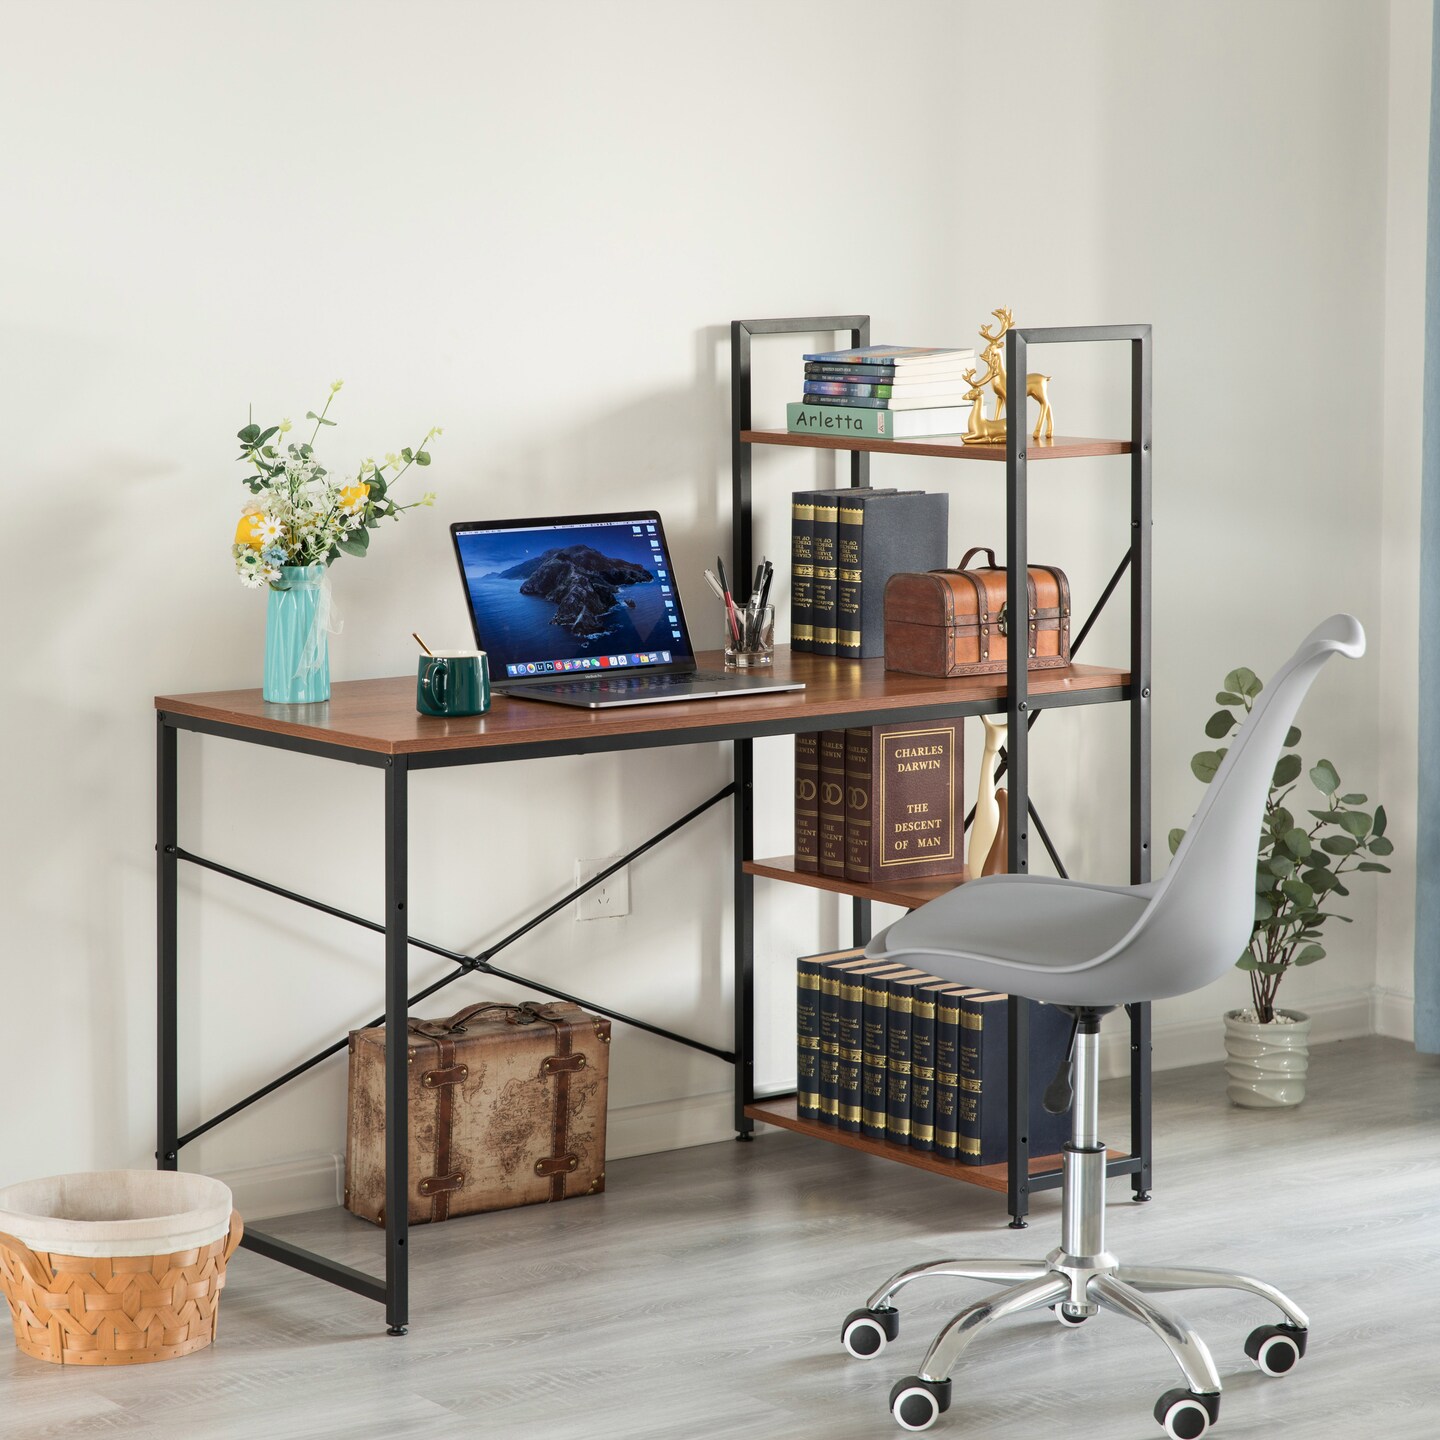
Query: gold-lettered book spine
pixel 874 1074
pixel 830 967
pixel 802 571
pixel 807 1037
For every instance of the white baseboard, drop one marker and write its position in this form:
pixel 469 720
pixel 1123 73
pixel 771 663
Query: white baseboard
pixel 1392 1013
pixel 670 1125
pixel 289 1187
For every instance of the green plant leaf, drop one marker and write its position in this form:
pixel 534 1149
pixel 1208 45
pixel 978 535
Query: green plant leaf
pixel 1281 865
pixel 422 457
pixel 1245 681
pixel 1263 908
pixel 1321 880
pixel 249 435
pixel 1287 771
pixel 1281 820
pixel 1299 892
pixel 1357 822
pixel 407 454
pixel 1309 955
pixel 1373 865
pixel 1380 845
pixel 1339 888
pixel 1353 799
pixel 1246 962
pixel 1205 764
pixel 1220 724
pixel 1267 967
pixel 1292 737
pixel 1176 836
pixel 1381 820
pixel 1225 697
pixel 1327 782
pixel 1339 844
pixel 355 544
pixel 1297 842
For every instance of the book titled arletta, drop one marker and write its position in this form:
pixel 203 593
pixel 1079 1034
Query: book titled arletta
pixel 902 787
pixel 807 802
pixel 985 1081
pixel 803 419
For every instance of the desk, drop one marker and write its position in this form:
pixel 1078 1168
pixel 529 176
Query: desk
pixel 374 723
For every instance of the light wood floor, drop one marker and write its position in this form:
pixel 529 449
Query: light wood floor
pixel 700 1298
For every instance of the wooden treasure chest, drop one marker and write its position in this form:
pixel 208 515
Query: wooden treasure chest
pixel 507 1107
pixel 957 622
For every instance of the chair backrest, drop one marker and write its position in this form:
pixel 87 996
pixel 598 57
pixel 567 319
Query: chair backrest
pixel 1203 910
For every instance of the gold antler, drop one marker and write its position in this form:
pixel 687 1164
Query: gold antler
pixel 1005 318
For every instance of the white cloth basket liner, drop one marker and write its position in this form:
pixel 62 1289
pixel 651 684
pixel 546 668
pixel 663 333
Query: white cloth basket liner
pixel 117 1212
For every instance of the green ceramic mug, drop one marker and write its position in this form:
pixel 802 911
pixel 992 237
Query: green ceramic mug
pixel 453 682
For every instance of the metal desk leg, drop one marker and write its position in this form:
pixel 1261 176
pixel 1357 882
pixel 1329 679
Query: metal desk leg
pixel 397 1051
pixel 167 898
pixel 744 938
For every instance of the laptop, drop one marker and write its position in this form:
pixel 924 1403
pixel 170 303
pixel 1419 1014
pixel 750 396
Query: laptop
pixel 584 610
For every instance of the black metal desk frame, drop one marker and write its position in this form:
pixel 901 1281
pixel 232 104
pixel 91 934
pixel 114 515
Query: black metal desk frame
pixel 393 1290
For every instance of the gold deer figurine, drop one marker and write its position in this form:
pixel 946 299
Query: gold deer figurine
pixel 981 429
pixel 1036 385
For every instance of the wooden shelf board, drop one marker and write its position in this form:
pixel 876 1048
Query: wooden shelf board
pixel 1062 447
pixel 911 893
pixel 780 1110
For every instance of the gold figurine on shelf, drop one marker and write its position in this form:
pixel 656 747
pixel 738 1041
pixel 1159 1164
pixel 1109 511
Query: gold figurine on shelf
pixel 990 430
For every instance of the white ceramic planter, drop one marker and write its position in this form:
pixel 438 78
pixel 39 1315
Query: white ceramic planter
pixel 1267 1064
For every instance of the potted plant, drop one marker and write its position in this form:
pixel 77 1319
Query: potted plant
pixel 1300 872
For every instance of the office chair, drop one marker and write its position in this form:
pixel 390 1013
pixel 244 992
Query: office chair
pixel 1090 949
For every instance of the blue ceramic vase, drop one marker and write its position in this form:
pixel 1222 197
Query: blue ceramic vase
pixel 297 638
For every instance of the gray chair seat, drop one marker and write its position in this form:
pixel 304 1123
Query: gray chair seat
pixel 1025 935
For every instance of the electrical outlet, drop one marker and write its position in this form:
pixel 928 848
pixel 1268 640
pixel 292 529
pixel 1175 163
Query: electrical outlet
pixel 608 900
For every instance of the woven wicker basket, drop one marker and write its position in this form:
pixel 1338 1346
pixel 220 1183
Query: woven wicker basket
pixel 116 1308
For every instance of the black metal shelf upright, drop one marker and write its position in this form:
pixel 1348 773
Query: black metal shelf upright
pixel 1020 709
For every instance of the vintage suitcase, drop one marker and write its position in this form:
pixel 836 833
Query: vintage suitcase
pixel 956 622
pixel 507 1107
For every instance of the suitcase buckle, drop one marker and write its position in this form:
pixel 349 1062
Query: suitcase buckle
pixel 552 1064
pixel 1002 623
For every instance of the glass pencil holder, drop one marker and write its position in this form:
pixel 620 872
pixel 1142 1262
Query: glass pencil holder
pixel 749 636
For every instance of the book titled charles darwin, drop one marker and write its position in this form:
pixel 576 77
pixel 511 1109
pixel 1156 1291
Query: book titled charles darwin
pixel 902 789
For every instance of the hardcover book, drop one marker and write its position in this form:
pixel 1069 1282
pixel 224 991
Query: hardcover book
pixel 830 1028
pixel 807 802
pixel 903 357
pixel 899 1003
pixel 902 793
pixel 985 1082
pixel 850 1054
pixel 947 1065
pixel 955 387
pixel 803 419
pixel 807 1036
pixel 946 395
pixel 825 505
pixel 877 535
pixel 887 374
pixel 802 559
pixel 874 1055
pixel 832 803
pixel 922 1064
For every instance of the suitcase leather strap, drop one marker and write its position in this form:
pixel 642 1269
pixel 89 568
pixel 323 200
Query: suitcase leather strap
pixel 562 1064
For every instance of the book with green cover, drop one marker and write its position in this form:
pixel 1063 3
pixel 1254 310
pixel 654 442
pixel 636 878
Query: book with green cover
pixel 842 420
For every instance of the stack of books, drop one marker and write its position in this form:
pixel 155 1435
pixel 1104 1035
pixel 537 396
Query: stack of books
pixel 886 392
pixel 880 803
pixel 844 545
pixel 895 1054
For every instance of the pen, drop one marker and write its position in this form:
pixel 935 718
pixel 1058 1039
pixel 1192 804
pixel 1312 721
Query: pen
pixel 729 602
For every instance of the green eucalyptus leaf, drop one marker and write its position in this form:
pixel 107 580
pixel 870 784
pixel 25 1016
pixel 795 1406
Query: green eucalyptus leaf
pixel 1245 681
pixel 1246 962
pixel 1381 820
pixel 1320 880
pixel 1327 782
pixel 1226 697
pixel 1353 799
pixel 266 434
pixel 1339 844
pixel 1281 865
pixel 1357 822
pixel 1380 845
pixel 1176 836
pixel 1270 968
pixel 1205 764
pixel 1292 737
pixel 353 544
pixel 407 454
pixel 1309 955
pixel 1281 820
pixel 1287 771
pixel 1263 908
pixel 1374 866
pixel 1339 889
pixel 422 457
pixel 249 435
pixel 1297 842
pixel 1299 892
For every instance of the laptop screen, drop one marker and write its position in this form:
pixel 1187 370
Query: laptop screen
pixel 572 595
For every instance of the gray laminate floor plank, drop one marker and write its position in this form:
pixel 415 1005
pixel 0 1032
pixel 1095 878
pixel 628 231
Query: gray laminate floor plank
pixel 700 1297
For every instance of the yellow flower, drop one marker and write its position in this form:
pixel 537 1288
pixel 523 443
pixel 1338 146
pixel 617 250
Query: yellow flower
pixel 353 497
pixel 335 385
pixel 285 427
pixel 247 532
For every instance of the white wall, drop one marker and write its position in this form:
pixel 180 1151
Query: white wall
pixel 531 225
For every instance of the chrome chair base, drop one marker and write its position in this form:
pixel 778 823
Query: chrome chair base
pixel 1077 1280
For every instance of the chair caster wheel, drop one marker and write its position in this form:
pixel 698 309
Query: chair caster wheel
pixel 1070 1316
pixel 917 1404
pixel 1276 1348
pixel 1186 1415
pixel 865 1333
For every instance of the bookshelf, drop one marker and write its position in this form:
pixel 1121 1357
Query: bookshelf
pixel 1021 697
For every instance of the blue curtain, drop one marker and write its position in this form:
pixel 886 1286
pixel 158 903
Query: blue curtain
pixel 1427 846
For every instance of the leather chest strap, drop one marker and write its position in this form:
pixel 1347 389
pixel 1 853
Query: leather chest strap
pixel 559 1162
pixel 445 1079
